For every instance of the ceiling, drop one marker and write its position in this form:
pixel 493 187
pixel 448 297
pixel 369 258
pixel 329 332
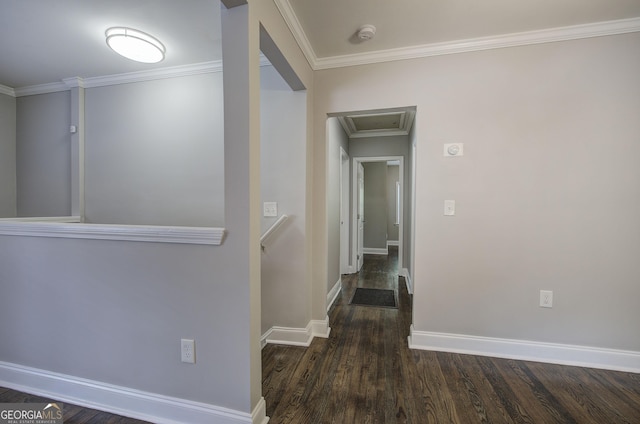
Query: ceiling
pixel 330 25
pixel 45 41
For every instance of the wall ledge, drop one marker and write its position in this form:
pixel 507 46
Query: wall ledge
pixel 68 227
pixel 525 350
pixel 120 400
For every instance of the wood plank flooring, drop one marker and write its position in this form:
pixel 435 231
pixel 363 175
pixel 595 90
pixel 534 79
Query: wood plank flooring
pixel 365 373
pixel 72 414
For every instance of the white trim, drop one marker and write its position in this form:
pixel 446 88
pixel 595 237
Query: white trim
pixel 333 293
pixel 404 272
pixel 31 90
pixel 297 336
pixel 345 215
pixel 320 327
pixel 554 353
pixel 120 400
pixel 272 229
pixel 375 251
pixel 289 336
pixel 67 219
pixel 145 233
pixel 351 269
pixel 259 414
pixel 139 76
pixel 7 90
pixel 574 32
pixel 354 193
pixel 392 243
pixel 300 36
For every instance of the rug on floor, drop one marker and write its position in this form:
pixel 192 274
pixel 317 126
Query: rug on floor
pixel 374 297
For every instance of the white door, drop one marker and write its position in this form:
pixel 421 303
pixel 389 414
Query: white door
pixel 344 213
pixel 360 217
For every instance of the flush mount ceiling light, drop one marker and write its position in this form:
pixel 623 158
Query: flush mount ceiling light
pixel 135 45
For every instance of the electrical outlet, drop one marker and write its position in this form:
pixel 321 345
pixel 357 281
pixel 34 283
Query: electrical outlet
pixel 546 298
pixel 188 351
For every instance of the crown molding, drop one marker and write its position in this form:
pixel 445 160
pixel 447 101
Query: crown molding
pixel 551 35
pixel 295 26
pixel 484 43
pixel 7 90
pixel 140 76
pixel 32 90
pixel 155 74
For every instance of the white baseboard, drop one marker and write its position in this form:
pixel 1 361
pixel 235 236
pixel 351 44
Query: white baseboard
pixel 375 250
pixel 297 336
pixel 120 400
pixel 320 327
pixel 554 353
pixel 393 243
pixel 287 336
pixel 349 269
pixel 404 272
pixel 333 293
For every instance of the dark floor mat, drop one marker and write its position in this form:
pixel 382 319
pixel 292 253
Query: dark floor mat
pixel 374 297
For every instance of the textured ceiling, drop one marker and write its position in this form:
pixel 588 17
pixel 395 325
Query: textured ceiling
pixel 46 41
pixel 330 25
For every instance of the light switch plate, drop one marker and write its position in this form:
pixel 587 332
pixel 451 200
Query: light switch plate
pixel 449 207
pixel 270 209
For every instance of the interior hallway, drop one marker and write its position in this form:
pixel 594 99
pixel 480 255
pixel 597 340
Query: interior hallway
pixel 365 372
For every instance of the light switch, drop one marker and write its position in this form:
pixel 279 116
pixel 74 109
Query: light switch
pixel 270 209
pixel 449 207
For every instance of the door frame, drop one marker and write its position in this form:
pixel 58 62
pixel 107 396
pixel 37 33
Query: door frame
pixel 346 266
pixel 354 192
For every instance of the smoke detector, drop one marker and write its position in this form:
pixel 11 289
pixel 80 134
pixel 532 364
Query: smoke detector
pixel 366 32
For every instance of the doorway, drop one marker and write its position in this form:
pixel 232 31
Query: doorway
pixel 364 209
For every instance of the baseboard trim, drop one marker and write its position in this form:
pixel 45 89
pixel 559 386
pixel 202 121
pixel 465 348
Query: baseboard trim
pixel 120 400
pixel 393 243
pixel 375 250
pixel 554 353
pixel 333 293
pixel 297 336
pixel 320 327
pixel 287 336
pixel 404 272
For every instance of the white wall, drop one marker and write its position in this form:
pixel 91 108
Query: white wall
pixel 43 154
pixel 375 205
pixel 550 135
pixel 283 175
pixel 335 139
pixel 120 308
pixel 391 146
pixel 8 208
pixel 393 176
pixel 154 152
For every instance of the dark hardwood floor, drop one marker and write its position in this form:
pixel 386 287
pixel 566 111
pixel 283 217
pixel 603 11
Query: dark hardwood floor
pixel 365 373
pixel 72 414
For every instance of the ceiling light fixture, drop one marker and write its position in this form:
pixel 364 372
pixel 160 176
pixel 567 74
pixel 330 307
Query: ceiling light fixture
pixel 366 32
pixel 135 45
